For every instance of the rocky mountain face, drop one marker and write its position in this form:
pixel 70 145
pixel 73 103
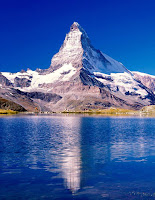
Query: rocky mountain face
pixel 4 81
pixel 15 96
pixel 10 105
pixel 146 79
pixel 80 77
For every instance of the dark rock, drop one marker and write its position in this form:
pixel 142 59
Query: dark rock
pixel 4 81
pixel 22 82
pixel 10 105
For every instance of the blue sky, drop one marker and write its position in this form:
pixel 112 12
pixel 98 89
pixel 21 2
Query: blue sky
pixel 31 32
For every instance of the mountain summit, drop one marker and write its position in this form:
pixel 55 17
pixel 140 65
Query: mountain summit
pixel 78 51
pixel 80 77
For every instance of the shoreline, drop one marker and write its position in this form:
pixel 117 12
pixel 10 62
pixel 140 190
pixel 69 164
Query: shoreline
pixel 106 112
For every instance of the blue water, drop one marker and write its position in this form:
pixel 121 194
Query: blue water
pixel 77 157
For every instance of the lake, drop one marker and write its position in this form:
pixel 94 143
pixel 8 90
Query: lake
pixel 77 157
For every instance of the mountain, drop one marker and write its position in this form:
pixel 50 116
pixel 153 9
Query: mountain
pixel 4 81
pixel 10 105
pixel 80 77
pixel 146 79
pixel 16 100
pixel 78 52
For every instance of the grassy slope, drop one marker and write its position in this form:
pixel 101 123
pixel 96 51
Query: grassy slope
pixel 7 111
pixel 10 105
pixel 116 111
pixel 148 110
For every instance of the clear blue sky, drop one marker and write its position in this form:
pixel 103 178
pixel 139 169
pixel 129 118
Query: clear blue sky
pixel 32 31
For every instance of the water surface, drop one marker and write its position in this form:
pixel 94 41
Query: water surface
pixel 77 157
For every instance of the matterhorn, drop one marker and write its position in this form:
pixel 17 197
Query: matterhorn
pixel 79 78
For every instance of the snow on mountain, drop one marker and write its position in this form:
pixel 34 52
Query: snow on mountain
pixel 143 74
pixel 4 81
pixel 71 51
pixel 75 54
pixel 122 82
pixel 146 79
pixel 64 73
pixel 79 67
pixel 77 49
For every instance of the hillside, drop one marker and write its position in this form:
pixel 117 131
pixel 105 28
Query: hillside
pixel 10 105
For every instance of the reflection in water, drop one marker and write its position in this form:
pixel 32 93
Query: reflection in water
pixel 52 144
pixel 71 156
pixel 132 141
pixel 63 149
pixel 92 156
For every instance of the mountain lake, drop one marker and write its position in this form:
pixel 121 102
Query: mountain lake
pixel 77 157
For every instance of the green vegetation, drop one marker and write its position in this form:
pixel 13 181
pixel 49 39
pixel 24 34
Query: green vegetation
pixel 2 111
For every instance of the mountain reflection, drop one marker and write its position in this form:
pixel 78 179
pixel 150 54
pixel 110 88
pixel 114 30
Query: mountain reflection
pixel 57 146
pixel 70 159
pixel 75 152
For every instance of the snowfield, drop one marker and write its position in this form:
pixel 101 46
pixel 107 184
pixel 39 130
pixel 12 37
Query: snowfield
pixel 64 74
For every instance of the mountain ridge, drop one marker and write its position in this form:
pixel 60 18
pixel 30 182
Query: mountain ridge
pixel 81 77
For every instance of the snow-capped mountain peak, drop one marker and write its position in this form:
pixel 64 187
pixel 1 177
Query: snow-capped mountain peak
pixel 78 50
pixel 83 77
pixel 71 50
